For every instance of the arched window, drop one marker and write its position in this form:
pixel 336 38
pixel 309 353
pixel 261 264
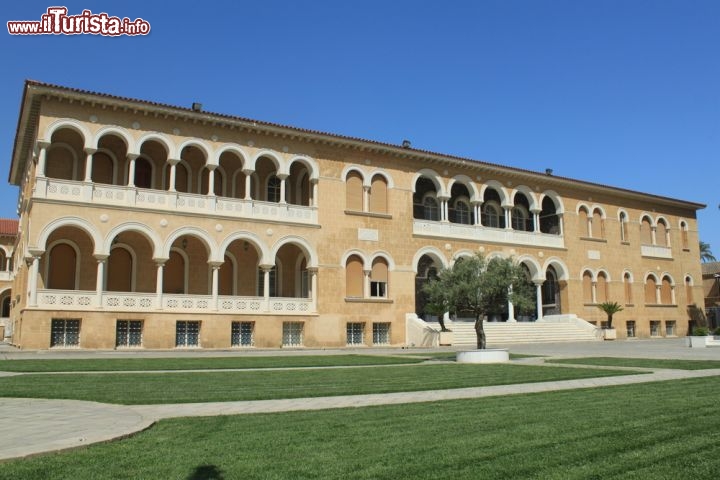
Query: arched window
pixel 62 269
pixel 601 288
pixel 273 189
pixel 491 215
pixel 666 296
pixel 120 270
pixel 462 212
pixel 549 219
pixel 627 281
pixel 431 210
pixel 651 290
pixel 5 307
pixel 379 278
pixel 598 224
pixel 354 192
pixel 684 235
pixel 103 168
pixel 424 188
pixel 378 195
pixel 174 274
pixel 623 227
pixel 226 277
pixel 3 261
pixel 520 218
pixel 662 234
pixel 584 222
pixel 689 291
pixel 587 287
pixel 646 231
pixel 143 173
pixel 354 277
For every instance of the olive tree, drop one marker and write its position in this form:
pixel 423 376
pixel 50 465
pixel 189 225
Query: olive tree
pixel 478 286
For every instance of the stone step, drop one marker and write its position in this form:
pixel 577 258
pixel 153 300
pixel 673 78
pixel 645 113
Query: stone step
pixel 521 332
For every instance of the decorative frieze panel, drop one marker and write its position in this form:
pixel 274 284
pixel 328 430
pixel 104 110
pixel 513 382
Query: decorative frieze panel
pixel 479 233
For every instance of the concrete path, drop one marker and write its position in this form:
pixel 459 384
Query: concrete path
pixel 32 426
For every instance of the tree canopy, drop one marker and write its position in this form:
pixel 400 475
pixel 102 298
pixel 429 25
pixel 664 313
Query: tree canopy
pixel 474 285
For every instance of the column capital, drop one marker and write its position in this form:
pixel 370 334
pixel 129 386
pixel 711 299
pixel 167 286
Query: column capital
pixel 265 267
pixel 42 144
pixel 101 257
pixel 159 261
pixel 312 269
pixel 215 265
pixel 132 156
pixel 248 171
pixel 90 150
pixel 173 161
pixel 538 283
pixel 210 166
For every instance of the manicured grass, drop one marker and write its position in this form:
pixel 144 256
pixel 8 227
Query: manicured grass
pixel 199 363
pixel 184 387
pixel 641 432
pixel 641 362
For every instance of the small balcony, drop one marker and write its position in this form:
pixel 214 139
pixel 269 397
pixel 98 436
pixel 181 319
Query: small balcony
pixel 478 233
pixel 656 251
pixel 175 202
pixel 86 300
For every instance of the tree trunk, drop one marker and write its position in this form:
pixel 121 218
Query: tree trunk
pixel 480 332
pixel 610 321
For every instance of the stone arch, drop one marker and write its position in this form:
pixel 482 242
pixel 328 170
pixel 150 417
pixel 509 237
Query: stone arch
pixel 260 246
pixel 469 184
pixel 557 200
pixel 464 253
pixel 388 178
pixel 206 149
pixel 358 253
pixel 78 258
pixel 77 222
pixel 560 268
pixel 431 252
pixel 230 148
pixel 354 168
pixel 200 234
pixel 383 254
pixel 272 156
pixel 119 132
pixel 309 163
pixel 167 143
pixel 433 176
pixel 537 272
pixel 137 227
pixel 501 191
pixel 72 125
pixel 301 243
pixel 529 194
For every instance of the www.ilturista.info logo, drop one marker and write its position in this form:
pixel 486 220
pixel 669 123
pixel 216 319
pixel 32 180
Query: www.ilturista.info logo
pixel 57 22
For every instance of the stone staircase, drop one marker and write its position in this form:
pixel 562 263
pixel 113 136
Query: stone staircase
pixel 553 328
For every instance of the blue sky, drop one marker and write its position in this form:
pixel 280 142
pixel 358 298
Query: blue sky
pixel 625 92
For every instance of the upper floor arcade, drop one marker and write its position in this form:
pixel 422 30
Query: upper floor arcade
pixel 114 167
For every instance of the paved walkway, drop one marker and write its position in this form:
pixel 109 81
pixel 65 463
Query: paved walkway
pixel 32 426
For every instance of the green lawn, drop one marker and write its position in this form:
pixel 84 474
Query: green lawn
pixel 644 431
pixel 184 387
pixel 200 363
pixel 642 362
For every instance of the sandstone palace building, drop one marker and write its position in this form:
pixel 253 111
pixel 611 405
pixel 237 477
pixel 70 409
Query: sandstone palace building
pixel 143 225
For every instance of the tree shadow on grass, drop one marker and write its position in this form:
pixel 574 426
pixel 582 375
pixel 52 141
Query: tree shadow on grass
pixel 206 472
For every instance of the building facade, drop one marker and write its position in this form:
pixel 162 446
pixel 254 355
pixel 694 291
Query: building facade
pixel 8 236
pixel 154 226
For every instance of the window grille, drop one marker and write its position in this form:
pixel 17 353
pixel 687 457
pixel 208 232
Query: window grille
pixel 630 328
pixel 355 333
pixel 381 333
pixel 654 328
pixel 292 334
pixel 128 333
pixel 187 333
pixel 242 334
pixel 64 333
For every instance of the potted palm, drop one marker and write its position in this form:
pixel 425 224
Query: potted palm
pixel 610 309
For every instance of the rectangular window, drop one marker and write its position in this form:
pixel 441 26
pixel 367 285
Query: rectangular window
pixel 128 333
pixel 355 333
pixel 378 289
pixel 187 333
pixel 630 328
pixel 65 333
pixel 654 328
pixel 241 334
pixel 292 334
pixel 381 333
pixel 670 328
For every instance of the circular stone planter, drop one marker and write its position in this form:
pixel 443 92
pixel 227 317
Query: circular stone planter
pixel 490 355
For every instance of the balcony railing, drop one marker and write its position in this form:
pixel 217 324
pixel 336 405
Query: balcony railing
pixel 479 233
pixel 140 198
pixel 147 302
pixel 655 251
pixel 6 276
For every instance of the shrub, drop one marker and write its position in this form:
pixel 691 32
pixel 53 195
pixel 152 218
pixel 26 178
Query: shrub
pixel 700 331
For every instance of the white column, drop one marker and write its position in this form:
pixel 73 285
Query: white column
pixel 366 283
pixel 594 292
pixel 248 178
pixel 653 233
pixel 658 295
pixel 366 198
pixel 100 278
pixel 266 284
pixel 538 299
pixel 477 209
pixel 40 171
pixel 215 277
pixel 89 163
pixel 211 180
pixel 672 295
pixel 314 184
pixel 589 226
pixel 560 223
pixel 446 211
pixel 282 178
pixel 159 281
pixel 131 169
pixel 536 220
pixel 32 281
pixel 508 216
pixel 171 183
pixel 313 286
